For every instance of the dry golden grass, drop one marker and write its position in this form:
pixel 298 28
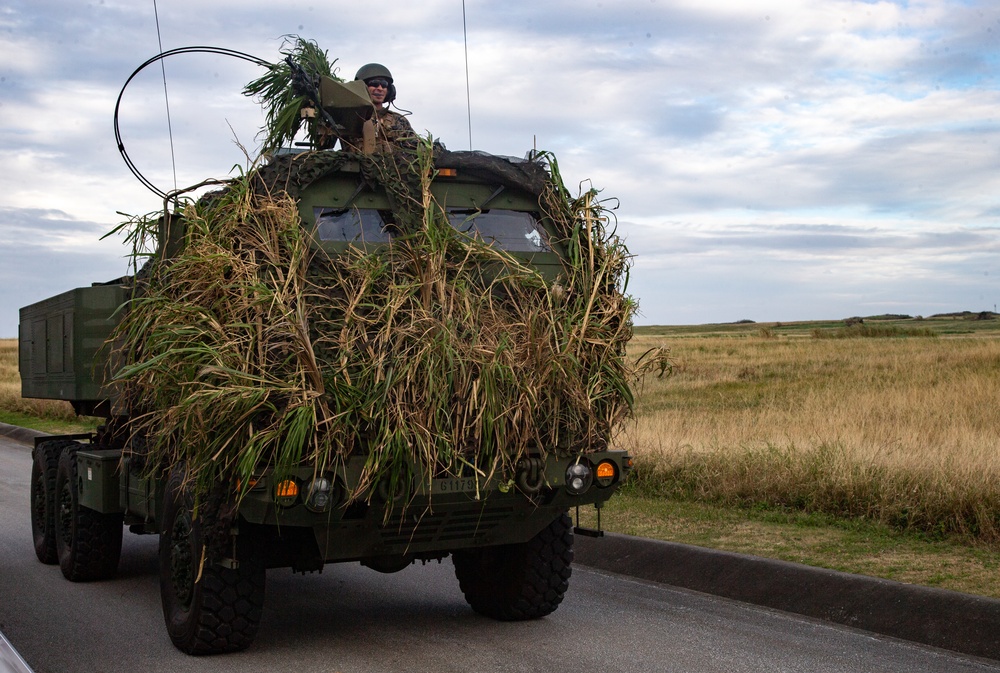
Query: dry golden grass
pixel 902 431
pixel 914 401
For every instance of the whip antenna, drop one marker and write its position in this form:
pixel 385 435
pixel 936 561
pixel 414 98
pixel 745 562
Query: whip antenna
pixel 468 97
pixel 166 99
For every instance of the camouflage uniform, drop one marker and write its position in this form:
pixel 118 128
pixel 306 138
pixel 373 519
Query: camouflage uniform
pixel 391 130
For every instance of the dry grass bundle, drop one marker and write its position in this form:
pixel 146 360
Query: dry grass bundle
pixel 435 355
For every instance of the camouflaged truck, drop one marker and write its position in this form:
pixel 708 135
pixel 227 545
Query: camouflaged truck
pixel 511 547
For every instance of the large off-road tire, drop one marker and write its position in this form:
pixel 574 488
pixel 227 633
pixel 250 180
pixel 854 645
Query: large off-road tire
pixel 45 462
pixel 208 609
pixel 518 581
pixel 88 543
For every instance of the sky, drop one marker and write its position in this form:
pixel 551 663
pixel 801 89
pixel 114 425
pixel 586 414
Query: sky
pixel 769 160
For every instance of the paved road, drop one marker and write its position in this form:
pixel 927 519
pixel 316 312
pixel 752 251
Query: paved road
pixel 352 619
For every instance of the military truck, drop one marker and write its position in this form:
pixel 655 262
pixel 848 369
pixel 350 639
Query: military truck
pixel 509 535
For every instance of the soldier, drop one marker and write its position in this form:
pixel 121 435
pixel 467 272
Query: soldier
pixel 386 128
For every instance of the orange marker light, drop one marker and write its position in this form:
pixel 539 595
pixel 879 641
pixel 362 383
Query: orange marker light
pixel 447 172
pixel 606 470
pixel 286 489
pixel 606 473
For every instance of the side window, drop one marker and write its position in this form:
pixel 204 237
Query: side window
pixel 363 225
pixel 511 230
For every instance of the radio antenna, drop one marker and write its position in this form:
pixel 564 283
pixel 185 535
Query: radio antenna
pixel 468 96
pixel 166 99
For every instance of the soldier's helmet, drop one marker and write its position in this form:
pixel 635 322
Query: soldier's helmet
pixel 373 70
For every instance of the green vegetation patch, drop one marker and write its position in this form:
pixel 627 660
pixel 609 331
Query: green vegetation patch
pixel 860 547
pixel 867 330
pixel 49 425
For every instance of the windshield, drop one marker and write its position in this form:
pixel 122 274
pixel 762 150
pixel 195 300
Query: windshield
pixel 357 225
pixel 510 230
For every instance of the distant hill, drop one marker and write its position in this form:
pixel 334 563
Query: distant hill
pixel 968 315
pixel 955 323
pixel 889 316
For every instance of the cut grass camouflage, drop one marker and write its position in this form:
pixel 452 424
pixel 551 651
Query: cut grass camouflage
pixel 435 355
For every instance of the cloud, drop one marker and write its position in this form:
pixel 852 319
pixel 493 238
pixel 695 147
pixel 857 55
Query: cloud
pixel 779 158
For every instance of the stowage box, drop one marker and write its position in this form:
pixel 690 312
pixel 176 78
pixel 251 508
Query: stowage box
pixel 61 344
pixel 99 486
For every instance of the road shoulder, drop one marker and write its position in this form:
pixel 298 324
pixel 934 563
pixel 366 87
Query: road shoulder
pixel 937 617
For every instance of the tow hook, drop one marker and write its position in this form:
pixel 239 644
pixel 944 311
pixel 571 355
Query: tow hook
pixel 530 475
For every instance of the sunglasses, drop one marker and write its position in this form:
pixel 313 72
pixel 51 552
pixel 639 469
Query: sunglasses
pixel 378 83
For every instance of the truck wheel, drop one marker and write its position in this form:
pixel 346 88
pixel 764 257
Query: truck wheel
pixel 518 581
pixel 208 609
pixel 43 499
pixel 88 543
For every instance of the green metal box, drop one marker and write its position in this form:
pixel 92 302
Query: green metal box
pixel 99 486
pixel 61 351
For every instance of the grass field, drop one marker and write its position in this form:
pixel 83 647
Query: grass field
pixel 896 429
pixel 869 448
